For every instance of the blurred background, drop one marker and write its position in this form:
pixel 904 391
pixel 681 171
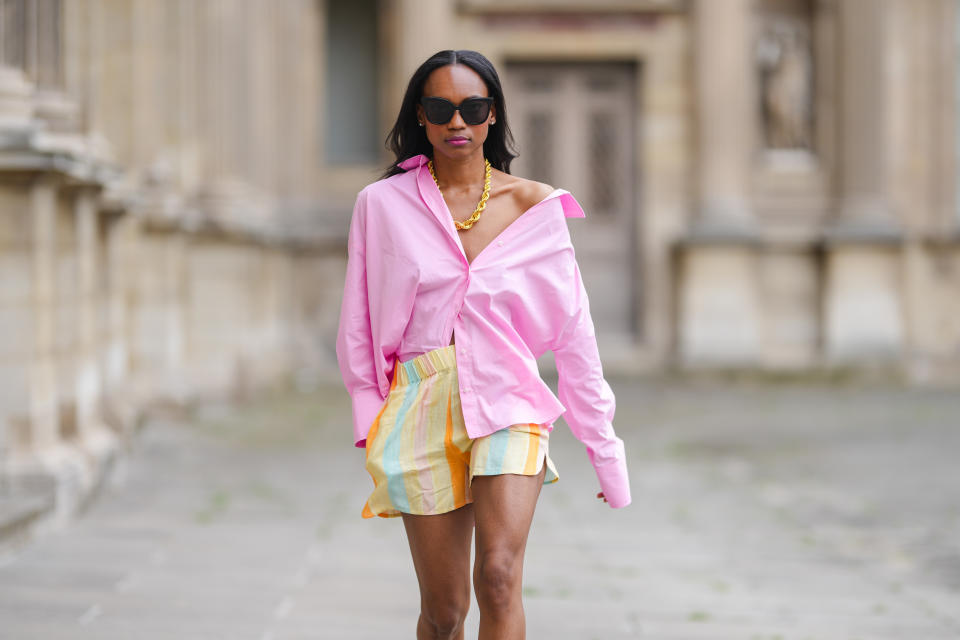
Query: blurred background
pixel 770 186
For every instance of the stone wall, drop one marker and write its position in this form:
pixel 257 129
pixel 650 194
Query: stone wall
pixel 160 223
pixel 819 253
pixel 795 163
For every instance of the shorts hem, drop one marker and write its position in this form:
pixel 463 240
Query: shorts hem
pixel 394 513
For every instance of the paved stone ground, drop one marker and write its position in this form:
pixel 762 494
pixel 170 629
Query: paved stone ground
pixel 760 512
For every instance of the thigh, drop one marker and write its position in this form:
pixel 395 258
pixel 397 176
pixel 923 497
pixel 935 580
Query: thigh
pixel 440 546
pixel 503 511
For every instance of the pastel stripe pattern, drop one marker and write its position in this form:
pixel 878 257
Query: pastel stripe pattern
pixel 418 452
pixel 521 448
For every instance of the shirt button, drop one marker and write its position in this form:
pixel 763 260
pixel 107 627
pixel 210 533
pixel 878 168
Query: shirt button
pixel 499 243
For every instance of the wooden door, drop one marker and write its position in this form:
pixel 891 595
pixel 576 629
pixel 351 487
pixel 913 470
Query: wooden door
pixel 574 124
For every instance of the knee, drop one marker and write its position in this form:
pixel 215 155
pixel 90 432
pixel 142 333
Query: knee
pixel 445 620
pixel 498 579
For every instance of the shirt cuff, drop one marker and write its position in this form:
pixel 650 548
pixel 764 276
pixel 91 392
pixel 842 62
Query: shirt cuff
pixel 366 406
pixel 613 477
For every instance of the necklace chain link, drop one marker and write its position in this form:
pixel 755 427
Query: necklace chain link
pixel 469 222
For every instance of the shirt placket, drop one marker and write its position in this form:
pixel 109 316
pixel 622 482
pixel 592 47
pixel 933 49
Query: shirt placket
pixel 462 346
pixel 465 353
pixel 465 369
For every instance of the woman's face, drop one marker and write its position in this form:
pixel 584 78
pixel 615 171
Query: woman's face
pixel 455 82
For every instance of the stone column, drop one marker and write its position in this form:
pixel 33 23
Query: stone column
pixel 261 95
pixel 44 421
pixel 187 110
pixel 720 320
pixel 863 303
pixel 120 403
pixel 151 62
pixel 17 303
pixel 299 72
pixel 725 98
pixel 954 97
pixel 16 107
pixel 87 370
pixel 44 453
pixel 309 94
pixel 864 127
pixel 45 63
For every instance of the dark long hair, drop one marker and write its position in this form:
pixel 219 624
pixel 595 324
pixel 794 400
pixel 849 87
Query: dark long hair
pixel 408 138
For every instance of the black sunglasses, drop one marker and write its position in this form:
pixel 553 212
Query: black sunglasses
pixel 440 110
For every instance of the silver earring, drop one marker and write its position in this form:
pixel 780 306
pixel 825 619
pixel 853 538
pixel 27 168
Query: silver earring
pixel 420 123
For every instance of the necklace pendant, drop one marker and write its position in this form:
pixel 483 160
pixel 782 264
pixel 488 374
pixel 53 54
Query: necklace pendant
pixel 483 199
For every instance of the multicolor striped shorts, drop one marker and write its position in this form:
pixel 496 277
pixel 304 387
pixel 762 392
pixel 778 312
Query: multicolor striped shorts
pixel 419 453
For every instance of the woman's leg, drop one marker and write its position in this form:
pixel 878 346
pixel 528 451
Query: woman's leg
pixel 503 510
pixel 440 545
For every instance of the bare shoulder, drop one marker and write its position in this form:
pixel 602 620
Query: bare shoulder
pixel 529 192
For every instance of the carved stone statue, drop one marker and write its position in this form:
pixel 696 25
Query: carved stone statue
pixel 785 62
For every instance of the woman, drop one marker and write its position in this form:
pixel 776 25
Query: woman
pixel 459 276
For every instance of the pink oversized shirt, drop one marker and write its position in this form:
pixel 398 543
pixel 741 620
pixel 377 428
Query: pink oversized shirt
pixel 409 288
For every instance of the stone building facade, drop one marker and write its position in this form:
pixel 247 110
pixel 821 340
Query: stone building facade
pixel 769 184
pixel 161 223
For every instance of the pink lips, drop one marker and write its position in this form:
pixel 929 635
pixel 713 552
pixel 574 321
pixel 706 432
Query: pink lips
pixel 457 142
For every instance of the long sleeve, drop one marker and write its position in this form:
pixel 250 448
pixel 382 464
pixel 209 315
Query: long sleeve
pixel 354 337
pixel 586 394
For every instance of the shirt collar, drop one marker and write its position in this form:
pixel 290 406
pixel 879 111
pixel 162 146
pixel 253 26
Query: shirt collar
pixel 413 161
pixel 571 208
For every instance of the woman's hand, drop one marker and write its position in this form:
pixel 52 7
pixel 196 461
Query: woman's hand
pixel 600 495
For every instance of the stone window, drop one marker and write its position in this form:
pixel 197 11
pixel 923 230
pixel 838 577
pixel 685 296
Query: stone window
pixel 352 130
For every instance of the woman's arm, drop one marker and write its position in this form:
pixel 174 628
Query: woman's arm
pixel 354 337
pixel 585 393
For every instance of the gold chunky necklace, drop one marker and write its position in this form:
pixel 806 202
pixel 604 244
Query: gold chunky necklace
pixel 466 224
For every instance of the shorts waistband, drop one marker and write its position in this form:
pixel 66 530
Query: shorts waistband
pixel 426 364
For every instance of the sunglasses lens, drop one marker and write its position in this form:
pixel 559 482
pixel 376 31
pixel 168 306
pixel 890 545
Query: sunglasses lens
pixel 438 111
pixel 474 111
